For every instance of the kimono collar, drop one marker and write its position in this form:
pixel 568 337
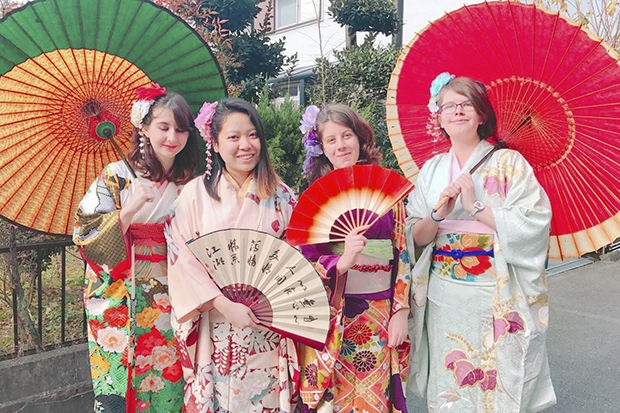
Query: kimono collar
pixel 481 149
pixel 241 190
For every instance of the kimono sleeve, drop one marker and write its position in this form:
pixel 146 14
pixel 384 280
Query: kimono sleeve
pixel 416 207
pixel 189 284
pixel 402 284
pixel 524 217
pixel 324 262
pixel 97 228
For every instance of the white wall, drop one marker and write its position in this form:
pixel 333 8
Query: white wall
pixel 418 13
pixel 304 38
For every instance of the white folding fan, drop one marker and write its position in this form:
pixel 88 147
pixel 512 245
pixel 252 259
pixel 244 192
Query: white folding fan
pixel 271 277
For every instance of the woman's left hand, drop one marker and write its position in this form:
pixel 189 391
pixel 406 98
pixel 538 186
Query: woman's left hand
pixel 398 328
pixel 467 190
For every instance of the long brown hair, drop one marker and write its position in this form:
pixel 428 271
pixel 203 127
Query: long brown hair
pixel 477 94
pixel 344 115
pixel 186 161
pixel 267 180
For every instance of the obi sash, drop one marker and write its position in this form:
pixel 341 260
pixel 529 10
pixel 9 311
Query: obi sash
pixel 372 272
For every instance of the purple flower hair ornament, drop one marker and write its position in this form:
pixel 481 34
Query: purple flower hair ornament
pixel 311 142
pixel 203 124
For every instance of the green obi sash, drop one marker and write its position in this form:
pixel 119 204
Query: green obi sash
pixel 380 249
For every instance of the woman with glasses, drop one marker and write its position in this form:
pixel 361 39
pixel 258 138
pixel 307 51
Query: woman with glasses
pixel 481 304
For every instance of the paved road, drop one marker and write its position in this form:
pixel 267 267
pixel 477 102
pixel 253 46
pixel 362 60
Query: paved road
pixel 583 341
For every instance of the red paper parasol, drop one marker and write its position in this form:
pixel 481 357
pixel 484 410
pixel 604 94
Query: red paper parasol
pixel 343 200
pixel 551 81
pixel 68 73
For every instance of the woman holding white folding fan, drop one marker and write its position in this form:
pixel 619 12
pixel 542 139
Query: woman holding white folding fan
pixel 230 363
pixel 363 366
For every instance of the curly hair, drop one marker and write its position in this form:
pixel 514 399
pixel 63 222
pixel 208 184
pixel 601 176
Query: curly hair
pixel 344 115
pixel 185 162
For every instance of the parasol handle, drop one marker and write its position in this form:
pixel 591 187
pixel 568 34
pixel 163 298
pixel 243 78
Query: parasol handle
pixel 108 134
pixel 499 145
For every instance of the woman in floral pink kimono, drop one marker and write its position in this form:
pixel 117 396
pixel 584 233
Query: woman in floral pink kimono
pixel 230 363
pixel 481 306
pixel 119 227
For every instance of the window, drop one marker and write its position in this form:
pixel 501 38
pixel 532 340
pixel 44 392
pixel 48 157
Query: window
pixel 293 89
pixel 290 12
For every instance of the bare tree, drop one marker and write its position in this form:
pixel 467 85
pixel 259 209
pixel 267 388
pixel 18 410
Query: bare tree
pixel 601 17
pixel 6 6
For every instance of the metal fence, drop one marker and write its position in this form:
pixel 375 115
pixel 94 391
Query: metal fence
pixel 37 322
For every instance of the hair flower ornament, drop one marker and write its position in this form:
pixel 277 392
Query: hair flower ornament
pixel 440 81
pixel 146 98
pixel 432 127
pixel 311 139
pixel 203 124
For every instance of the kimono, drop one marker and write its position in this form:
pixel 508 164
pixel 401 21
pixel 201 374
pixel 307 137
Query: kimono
pixel 133 357
pixel 356 371
pixel 480 316
pixel 226 369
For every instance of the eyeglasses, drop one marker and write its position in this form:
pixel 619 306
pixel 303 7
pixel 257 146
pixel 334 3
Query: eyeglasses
pixel 450 108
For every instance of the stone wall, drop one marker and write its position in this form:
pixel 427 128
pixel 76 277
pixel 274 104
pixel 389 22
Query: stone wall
pixel 54 381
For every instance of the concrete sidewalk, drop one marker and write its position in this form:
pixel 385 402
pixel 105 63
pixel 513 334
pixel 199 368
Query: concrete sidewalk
pixel 583 341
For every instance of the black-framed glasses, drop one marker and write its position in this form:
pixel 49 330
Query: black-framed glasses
pixel 450 107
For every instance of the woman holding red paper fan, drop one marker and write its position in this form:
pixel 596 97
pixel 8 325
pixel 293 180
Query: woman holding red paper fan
pixel 364 364
pixel 120 229
pixel 481 304
pixel 230 363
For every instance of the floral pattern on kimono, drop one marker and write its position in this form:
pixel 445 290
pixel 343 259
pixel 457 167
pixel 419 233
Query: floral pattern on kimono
pixel 133 356
pixel 356 371
pixel 480 323
pixel 226 369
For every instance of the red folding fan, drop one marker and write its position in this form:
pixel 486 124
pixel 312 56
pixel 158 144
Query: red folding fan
pixel 343 200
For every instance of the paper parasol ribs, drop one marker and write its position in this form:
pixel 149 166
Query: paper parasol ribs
pixel 68 71
pixel 556 90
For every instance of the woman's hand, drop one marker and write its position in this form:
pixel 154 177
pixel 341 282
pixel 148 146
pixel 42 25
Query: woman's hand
pixel 467 190
pixel 398 328
pixel 239 315
pixel 143 192
pixel 463 186
pixel 354 243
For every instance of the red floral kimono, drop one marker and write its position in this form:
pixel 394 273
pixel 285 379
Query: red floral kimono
pixel 133 355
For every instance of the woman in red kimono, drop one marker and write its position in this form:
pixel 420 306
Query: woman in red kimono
pixel 364 364
pixel 119 227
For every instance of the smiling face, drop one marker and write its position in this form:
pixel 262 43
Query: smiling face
pixel 463 123
pixel 165 137
pixel 341 145
pixel 239 145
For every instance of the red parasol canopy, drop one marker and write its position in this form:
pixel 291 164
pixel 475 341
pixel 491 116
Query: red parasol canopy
pixel 556 90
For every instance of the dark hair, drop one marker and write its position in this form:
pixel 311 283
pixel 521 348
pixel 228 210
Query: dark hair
pixel 344 115
pixel 186 161
pixel 477 94
pixel 266 178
